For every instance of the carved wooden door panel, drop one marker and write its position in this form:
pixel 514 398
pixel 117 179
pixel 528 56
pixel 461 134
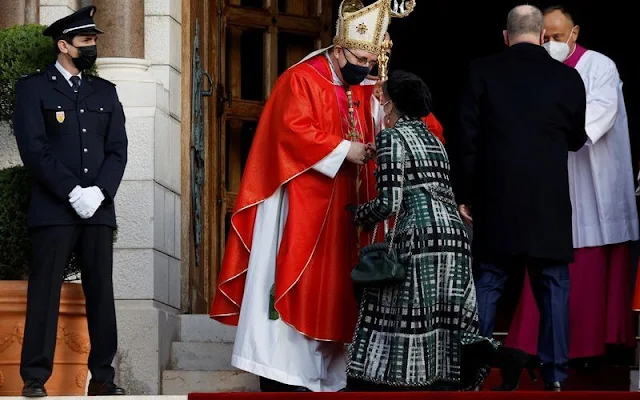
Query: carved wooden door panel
pixel 198 117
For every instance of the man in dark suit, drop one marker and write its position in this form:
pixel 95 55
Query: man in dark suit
pixel 70 130
pixel 521 115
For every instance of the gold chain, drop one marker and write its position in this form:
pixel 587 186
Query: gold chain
pixel 355 136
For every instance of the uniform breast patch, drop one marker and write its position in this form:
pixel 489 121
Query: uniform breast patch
pixel 60 116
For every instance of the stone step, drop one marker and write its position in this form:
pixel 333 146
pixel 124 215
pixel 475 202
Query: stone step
pixel 182 382
pixel 199 328
pixel 192 356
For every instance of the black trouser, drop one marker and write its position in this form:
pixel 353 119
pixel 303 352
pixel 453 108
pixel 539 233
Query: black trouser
pixel 550 285
pixel 52 247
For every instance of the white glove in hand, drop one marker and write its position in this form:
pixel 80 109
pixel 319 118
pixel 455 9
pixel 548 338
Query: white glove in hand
pixel 76 190
pixel 87 201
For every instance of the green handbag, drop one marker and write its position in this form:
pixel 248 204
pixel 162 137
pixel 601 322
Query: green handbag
pixel 379 265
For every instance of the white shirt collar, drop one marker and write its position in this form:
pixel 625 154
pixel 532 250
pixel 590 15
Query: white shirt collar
pixel 336 80
pixel 66 74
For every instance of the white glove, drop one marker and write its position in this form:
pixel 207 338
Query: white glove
pixel 87 201
pixel 76 190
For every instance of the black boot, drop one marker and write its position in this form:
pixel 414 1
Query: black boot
pixel 475 365
pixel 553 387
pixel 104 389
pixel 512 362
pixel 269 385
pixel 34 388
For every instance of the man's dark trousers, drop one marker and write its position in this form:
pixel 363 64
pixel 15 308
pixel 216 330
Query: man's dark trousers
pixel 550 285
pixel 52 248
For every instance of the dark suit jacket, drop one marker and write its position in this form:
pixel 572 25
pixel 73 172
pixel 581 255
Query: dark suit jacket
pixel 520 116
pixel 67 139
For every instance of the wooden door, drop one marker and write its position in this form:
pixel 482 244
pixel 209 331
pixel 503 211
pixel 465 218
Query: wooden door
pixel 243 46
pixel 198 155
pixel 258 40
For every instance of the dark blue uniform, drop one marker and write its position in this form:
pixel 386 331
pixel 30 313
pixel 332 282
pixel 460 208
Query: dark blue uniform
pixel 67 139
pixel 71 136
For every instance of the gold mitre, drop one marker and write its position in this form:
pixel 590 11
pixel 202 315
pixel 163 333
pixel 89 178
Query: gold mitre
pixel 364 28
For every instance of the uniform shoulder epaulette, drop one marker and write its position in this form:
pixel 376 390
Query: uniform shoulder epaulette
pixel 97 78
pixel 36 73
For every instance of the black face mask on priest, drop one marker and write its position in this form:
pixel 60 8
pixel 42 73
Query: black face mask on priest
pixel 355 65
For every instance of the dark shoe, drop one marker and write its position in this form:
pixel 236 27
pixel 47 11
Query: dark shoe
pixel 301 389
pixel 553 387
pixel 34 388
pixel 104 389
pixel 512 362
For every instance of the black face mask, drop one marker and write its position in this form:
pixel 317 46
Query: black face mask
pixel 354 74
pixel 374 71
pixel 86 57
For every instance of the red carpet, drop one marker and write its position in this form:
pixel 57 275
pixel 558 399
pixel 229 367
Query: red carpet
pixel 420 395
pixel 611 379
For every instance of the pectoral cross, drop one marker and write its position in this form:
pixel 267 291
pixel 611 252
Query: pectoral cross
pixel 353 136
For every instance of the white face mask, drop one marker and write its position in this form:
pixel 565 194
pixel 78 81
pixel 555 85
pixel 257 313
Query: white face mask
pixel 558 50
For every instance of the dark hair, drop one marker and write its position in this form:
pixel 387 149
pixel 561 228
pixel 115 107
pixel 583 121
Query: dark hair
pixel 67 37
pixel 562 9
pixel 410 95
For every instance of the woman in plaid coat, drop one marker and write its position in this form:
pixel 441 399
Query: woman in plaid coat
pixel 411 335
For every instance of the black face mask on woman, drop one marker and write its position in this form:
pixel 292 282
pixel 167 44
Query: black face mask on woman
pixel 354 74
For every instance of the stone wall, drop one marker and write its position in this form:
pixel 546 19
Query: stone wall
pixel 147 256
pixel 8 150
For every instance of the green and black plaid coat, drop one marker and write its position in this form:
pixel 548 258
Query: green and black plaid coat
pixel 411 334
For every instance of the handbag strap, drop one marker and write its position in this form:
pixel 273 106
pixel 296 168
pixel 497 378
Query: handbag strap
pixel 396 209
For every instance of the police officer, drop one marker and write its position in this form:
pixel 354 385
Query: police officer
pixel 70 129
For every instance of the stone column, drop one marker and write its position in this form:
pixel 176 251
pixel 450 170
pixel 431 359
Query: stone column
pixel 146 271
pixel 53 10
pixel 123 24
pixel 19 12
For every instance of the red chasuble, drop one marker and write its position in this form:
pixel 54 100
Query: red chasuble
pixel 304 120
pixel 434 127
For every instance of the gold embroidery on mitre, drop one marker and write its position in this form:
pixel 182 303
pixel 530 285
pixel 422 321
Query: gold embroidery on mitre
pixel 354 21
pixel 350 6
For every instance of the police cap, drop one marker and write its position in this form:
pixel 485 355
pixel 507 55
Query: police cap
pixel 77 23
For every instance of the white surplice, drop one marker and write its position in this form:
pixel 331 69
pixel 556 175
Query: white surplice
pixel 600 174
pixel 271 348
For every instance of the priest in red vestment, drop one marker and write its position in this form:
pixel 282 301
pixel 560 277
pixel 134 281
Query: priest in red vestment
pixel 285 277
